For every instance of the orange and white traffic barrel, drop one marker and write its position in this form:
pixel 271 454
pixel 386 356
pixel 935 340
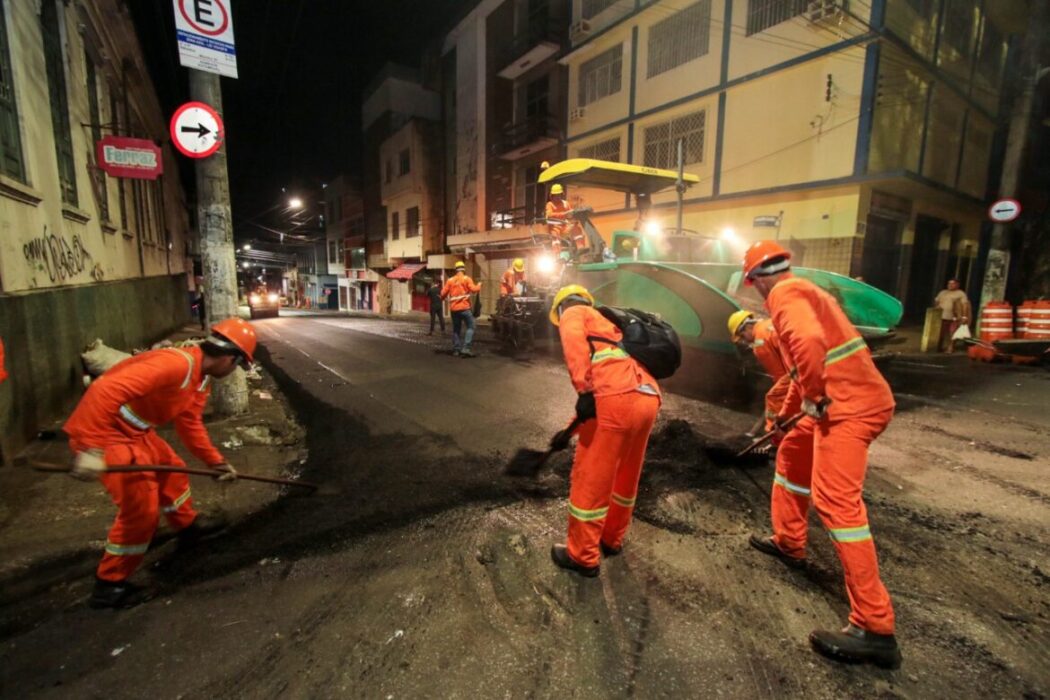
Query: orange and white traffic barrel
pixel 1024 315
pixel 997 321
pixel 1038 327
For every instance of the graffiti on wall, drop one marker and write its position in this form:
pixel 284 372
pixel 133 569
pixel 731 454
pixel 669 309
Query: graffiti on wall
pixel 60 258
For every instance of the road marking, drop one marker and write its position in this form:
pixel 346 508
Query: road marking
pixel 335 372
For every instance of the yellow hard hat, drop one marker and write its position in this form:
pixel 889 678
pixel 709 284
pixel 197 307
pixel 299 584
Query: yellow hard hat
pixel 544 165
pixel 573 290
pixel 737 322
pixel 519 265
pixel 460 265
pixel 557 189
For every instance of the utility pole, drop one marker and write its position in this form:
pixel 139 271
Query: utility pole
pixel 998 265
pixel 218 258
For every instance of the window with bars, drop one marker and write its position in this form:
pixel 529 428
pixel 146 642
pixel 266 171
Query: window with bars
pixel 395 226
pixel 11 162
pixel 661 141
pixel 601 76
pixel 602 150
pixel 56 84
pixel 95 112
pixel 763 14
pixel 593 7
pixel 404 162
pixel 412 228
pixel 680 38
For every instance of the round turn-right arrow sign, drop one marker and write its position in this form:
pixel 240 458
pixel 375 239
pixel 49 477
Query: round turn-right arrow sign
pixel 196 130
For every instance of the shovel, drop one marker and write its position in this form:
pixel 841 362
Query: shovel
pixel 765 439
pixel 528 462
pixel 133 468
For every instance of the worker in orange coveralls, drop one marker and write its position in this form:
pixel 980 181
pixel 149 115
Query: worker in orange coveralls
pixel 114 424
pixel 761 337
pixel 618 402
pixel 511 278
pixel 847 404
pixel 557 212
pixel 458 290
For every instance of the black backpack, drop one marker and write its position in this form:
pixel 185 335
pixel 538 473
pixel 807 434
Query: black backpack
pixel 647 338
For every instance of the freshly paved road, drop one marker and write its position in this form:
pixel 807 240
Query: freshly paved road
pixel 419 571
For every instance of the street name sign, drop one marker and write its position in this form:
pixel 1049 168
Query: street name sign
pixel 196 130
pixel 766 220
pixel 120 156
pixel 204 29
pixel 1004 211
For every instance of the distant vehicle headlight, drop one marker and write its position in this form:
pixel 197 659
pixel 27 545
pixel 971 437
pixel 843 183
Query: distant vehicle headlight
pixel 272 298
pixel 254 299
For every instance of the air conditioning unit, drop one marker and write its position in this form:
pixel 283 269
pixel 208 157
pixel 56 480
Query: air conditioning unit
pixel 577 113
pixel 825 11
pixel 579 31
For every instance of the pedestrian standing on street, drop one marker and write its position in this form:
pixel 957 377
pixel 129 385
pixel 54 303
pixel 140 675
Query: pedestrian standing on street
pixel 618 400
pixel 457 290
pixel 955 311
pixel 761 337
pixel 436 306
pixel 115 424
pixel 847 404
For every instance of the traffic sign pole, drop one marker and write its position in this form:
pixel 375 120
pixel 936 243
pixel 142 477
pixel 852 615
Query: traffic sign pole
pixel 215 224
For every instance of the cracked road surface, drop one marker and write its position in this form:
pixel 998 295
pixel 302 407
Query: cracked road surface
pixel 419 571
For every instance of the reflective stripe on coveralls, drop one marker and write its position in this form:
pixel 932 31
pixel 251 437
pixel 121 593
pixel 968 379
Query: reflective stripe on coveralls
pixel 126 550
pixel 177 503
pixel 837 354
pixel 779 480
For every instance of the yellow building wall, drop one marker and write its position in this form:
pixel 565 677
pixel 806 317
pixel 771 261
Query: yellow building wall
pixel 612 107
pixel 699 74
pixel 786 40
pixel 47 243
pixel 779 130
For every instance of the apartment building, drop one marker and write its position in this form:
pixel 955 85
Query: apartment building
pixel 859 133
pixel 82 255
pixel 412 197
pixel 504 99
pixel 395 96
pixel 345 235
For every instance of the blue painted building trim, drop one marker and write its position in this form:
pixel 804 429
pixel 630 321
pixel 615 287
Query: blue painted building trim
pixel 833 48
pixel 638 9
pixel 634 71
pixel 630 144
pixel 869 90
pixel 819 184
pixel 720 127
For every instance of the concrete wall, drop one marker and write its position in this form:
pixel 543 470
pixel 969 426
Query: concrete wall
pixel 44 333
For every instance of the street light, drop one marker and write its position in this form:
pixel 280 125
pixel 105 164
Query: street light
pixel 246 246
pixel 295 203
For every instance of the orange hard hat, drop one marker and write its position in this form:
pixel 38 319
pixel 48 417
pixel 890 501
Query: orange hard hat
pixel 235 333
pixel 761 253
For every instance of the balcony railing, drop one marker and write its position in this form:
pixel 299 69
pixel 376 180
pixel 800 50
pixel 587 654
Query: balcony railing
pixel 543 38
pixel 528 135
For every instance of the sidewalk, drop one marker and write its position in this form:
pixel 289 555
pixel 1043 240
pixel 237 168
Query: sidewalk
pixel 53 528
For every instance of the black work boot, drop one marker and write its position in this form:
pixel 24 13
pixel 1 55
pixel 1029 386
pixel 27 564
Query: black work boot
pixel 856 645
pixel 560 555
pixel 610 551
pixel 766 545
pixel 116 595
pixel 201 527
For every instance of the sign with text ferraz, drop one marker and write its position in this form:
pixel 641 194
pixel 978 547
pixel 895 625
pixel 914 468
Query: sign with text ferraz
pixel 120 156
pixel 204 29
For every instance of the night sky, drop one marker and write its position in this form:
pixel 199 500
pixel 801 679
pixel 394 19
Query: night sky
pixel 293 117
